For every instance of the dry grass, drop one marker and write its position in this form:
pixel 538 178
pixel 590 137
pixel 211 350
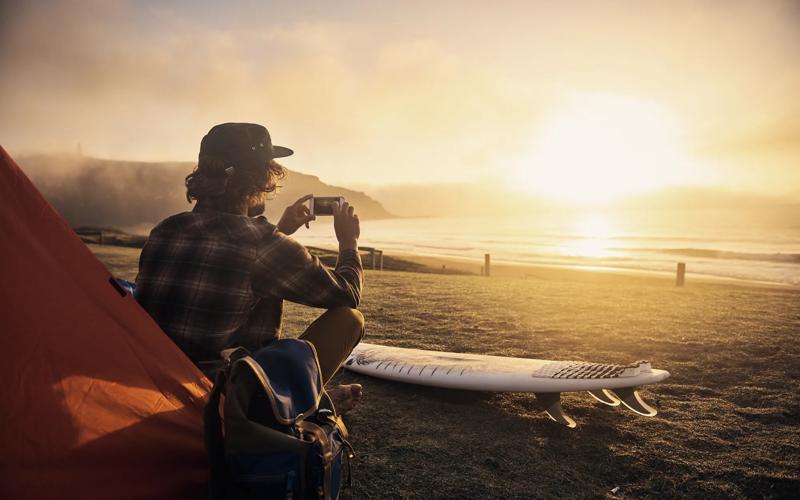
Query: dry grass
pixel 728 417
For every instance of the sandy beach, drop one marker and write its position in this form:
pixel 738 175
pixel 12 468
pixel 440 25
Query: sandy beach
pixel 506 269
pixel 728 417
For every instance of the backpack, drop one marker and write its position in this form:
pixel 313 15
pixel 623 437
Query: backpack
pixel 279 435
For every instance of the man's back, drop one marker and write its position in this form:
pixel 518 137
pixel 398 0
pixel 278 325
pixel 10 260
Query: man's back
pixel 214 280
pixel 195 280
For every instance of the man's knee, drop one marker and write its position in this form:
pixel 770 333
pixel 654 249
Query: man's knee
pixel 351 321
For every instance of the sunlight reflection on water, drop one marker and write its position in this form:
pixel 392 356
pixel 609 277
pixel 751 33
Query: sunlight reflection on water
pixel 744 251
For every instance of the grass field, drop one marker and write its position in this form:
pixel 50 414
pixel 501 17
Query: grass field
pixel 729 417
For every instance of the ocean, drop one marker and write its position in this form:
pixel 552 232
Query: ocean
pixel 753 247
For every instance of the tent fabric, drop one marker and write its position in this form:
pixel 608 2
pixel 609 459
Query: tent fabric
pixel 96 402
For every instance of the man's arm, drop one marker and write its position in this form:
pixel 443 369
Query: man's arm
pixel 285 269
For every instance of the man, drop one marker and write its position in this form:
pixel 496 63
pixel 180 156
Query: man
pixel 216 277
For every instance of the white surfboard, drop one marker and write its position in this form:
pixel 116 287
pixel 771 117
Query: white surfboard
pixel 609 384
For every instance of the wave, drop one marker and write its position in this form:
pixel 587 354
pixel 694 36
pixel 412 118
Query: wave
pixel 791 258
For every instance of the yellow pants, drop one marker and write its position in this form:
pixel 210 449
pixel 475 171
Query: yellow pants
pixel 334 334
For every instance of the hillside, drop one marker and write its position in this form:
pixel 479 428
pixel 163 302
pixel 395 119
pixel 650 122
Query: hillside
pixel 98 192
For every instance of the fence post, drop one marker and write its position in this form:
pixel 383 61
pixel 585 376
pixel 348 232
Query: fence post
pixel 487 265
pixel 681 275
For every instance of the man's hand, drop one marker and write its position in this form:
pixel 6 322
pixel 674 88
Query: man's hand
pixel 346 225
pixel 295 216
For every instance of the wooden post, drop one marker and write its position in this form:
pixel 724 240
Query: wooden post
pixel 487 264
pixel 680 278
pixel 373 257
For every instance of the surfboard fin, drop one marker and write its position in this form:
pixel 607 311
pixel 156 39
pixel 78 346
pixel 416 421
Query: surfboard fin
pixel 605 396
pixel 550 403
pixel 633 401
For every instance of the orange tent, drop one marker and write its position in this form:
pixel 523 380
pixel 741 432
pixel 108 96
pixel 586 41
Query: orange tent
pixel 96 401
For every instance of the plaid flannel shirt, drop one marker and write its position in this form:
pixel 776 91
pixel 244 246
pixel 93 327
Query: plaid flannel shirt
pixel 214 280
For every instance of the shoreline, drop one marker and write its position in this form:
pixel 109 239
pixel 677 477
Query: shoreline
pixel 506 268
pixel 450 264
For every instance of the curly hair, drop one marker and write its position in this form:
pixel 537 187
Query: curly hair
pixel 210 183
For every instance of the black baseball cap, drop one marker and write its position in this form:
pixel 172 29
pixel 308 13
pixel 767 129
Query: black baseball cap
pixel 242 144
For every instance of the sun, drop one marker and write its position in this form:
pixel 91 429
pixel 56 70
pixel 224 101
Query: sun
pixel 598 147
pixel 592 237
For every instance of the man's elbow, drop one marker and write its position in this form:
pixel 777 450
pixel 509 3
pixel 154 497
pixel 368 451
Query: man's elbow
pixel 353 300
pixel 345 298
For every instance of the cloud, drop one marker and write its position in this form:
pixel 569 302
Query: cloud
pixel 399 111
pixel 378 95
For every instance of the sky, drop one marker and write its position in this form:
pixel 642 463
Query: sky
pixel 581 100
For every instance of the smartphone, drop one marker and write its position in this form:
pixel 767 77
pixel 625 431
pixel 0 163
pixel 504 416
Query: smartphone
pixel 323 205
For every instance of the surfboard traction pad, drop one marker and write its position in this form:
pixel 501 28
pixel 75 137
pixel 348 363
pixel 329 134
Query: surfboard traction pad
pixel 584 370
pixel 550 402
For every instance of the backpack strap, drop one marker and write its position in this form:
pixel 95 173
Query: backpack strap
pixel 342 428
pixel 213 434
pixel 350 455
pixel 214 439
pixel 317 434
